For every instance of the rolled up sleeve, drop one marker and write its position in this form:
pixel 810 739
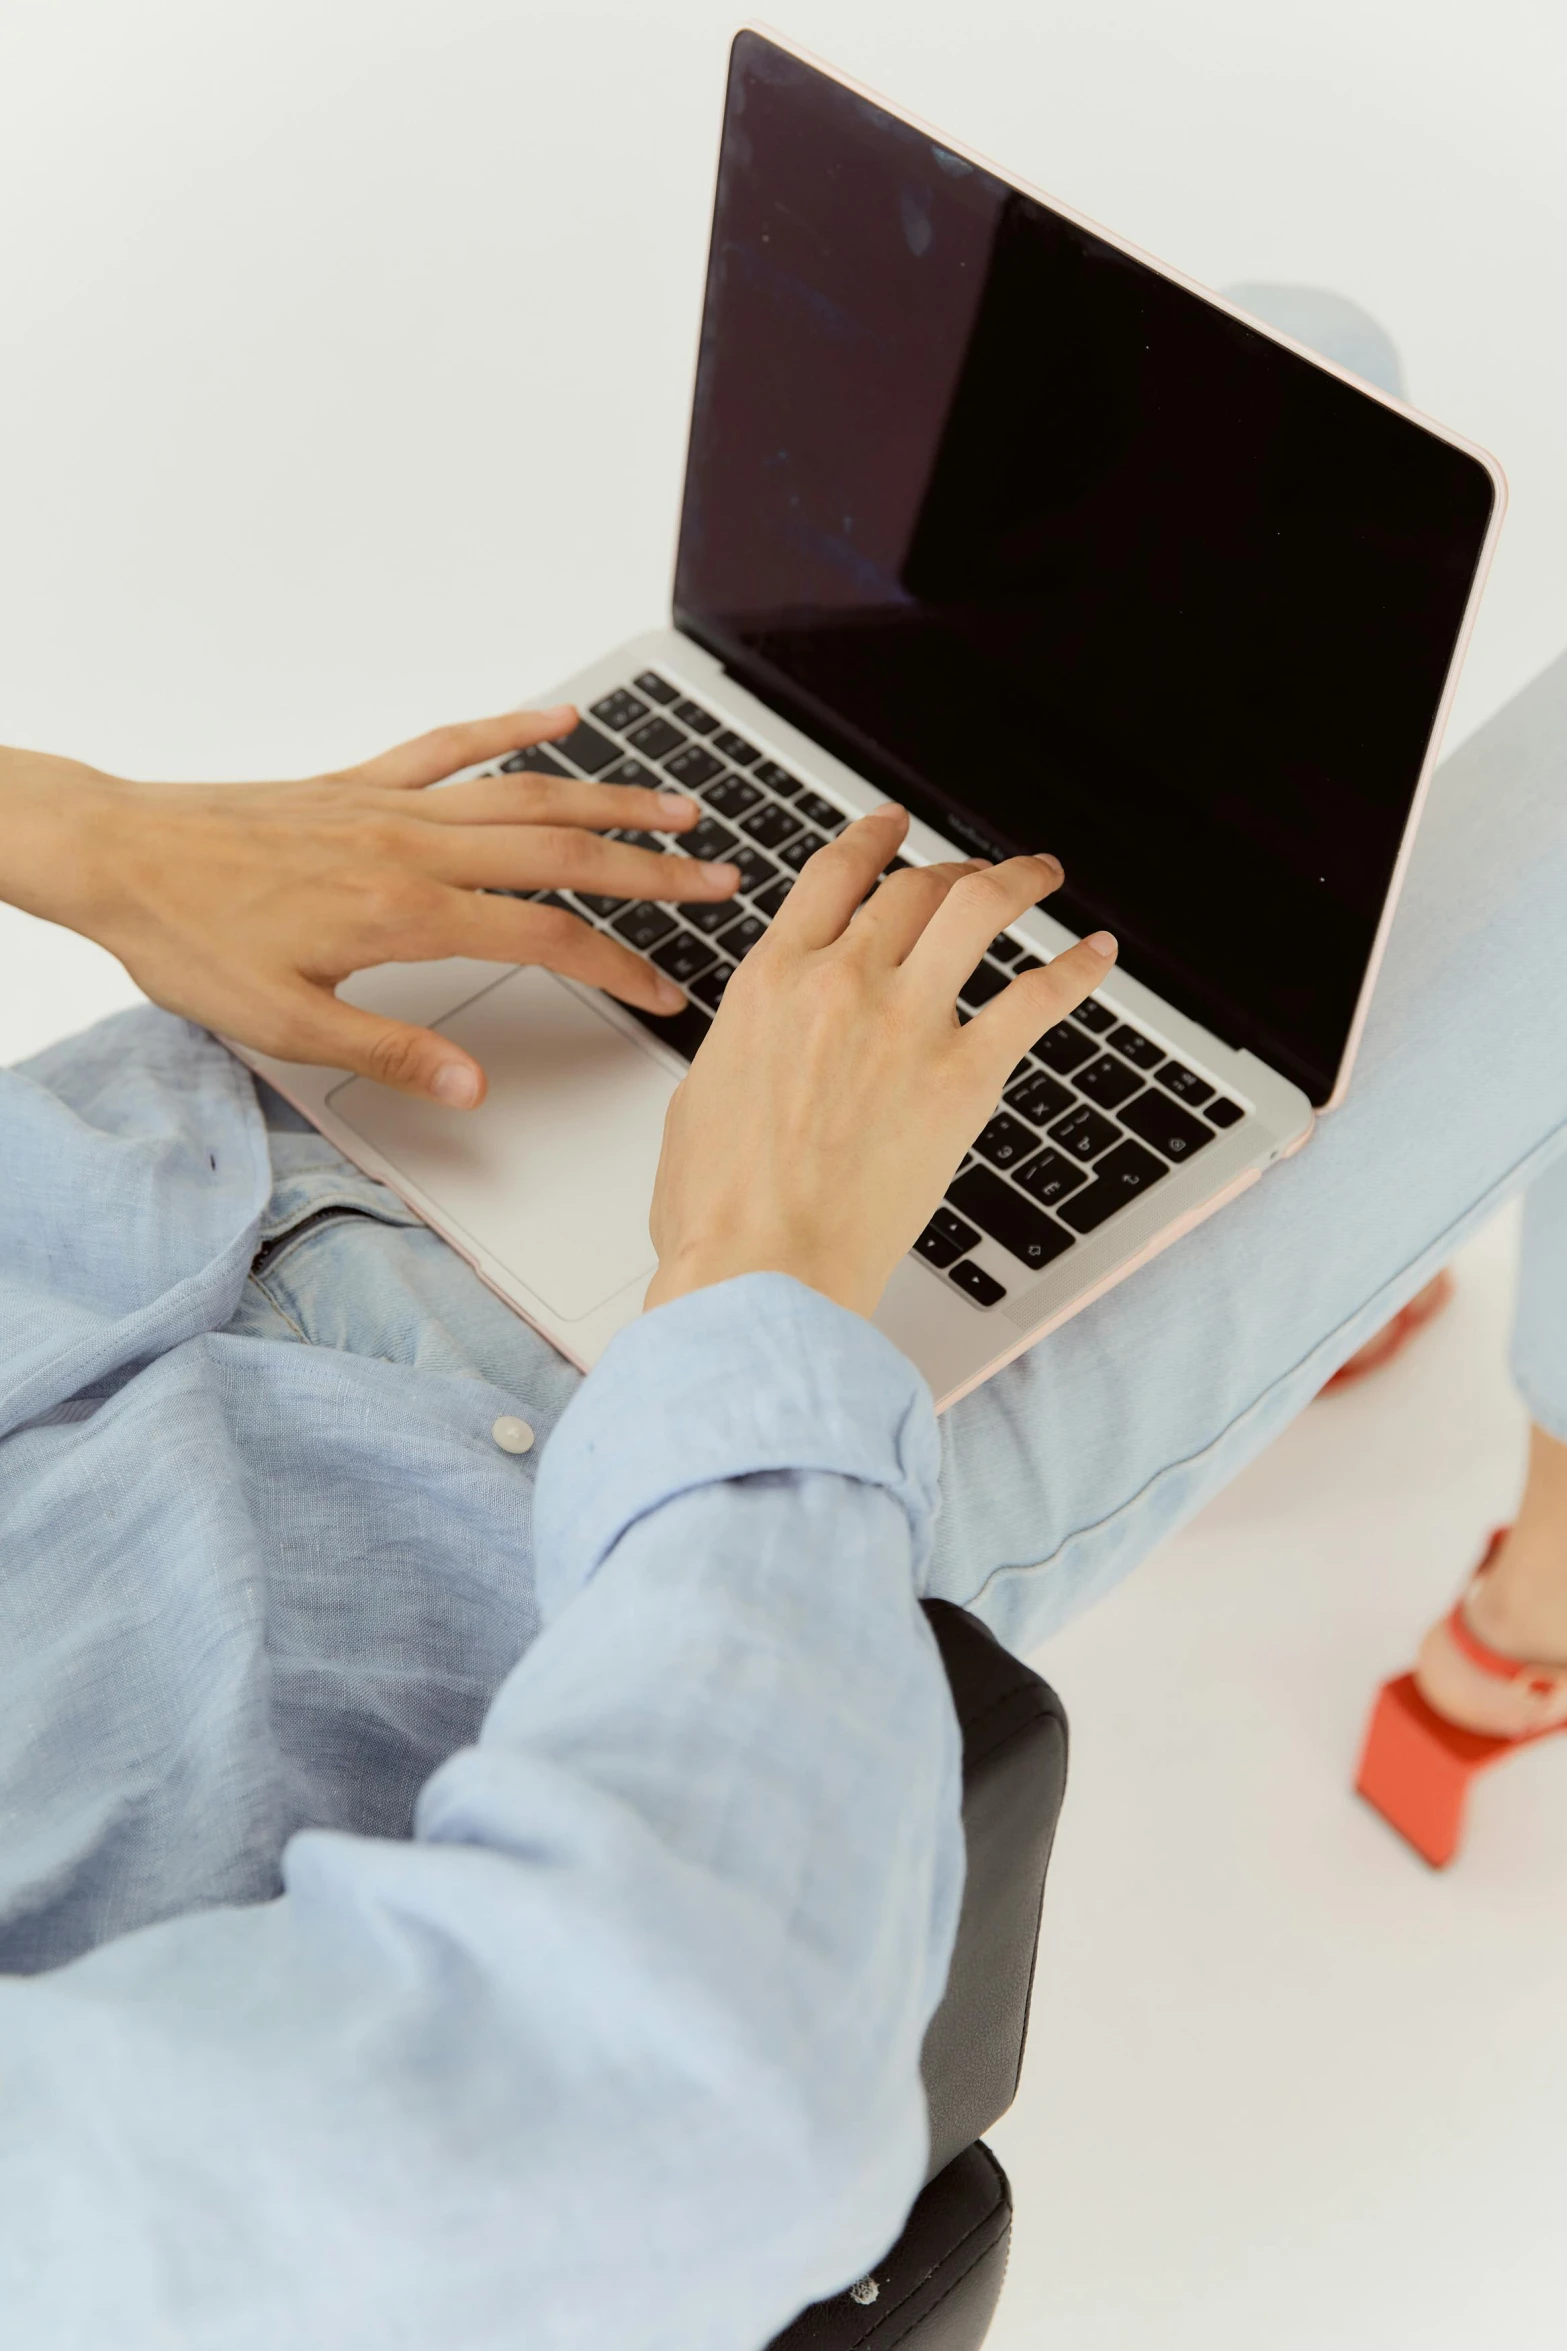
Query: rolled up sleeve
pixel 623 2046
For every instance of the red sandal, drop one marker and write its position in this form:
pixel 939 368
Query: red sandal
pixel 1416 1765
pixel 1394 1336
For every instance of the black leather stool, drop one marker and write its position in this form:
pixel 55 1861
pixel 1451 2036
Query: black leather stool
pixel 938 2287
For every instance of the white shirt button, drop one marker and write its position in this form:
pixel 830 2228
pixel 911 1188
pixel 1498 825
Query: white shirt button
pixel 512 1435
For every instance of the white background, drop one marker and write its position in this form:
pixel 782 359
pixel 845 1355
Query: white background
pixel 344 358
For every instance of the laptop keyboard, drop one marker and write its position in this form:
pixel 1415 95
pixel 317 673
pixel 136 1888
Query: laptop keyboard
pixel 1094 1116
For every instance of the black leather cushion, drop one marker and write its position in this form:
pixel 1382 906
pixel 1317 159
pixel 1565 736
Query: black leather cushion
pixel 939 2286
pixel 1014 1779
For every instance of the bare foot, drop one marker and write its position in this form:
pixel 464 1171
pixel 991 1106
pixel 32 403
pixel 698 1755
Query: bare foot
pixel 1516 1607
pixel 1384 1344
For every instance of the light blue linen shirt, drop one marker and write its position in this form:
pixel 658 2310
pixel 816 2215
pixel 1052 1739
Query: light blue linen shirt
pixel 445 1900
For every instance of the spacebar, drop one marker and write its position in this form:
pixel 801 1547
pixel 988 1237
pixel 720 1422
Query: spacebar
pixel 684 1029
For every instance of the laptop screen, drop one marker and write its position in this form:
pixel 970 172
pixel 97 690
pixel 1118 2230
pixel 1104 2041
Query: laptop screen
pixel 1067 558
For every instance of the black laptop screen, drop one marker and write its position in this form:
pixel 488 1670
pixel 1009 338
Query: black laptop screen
pixel 1067 558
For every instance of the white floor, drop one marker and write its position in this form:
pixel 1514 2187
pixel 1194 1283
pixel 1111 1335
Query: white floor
pixel 1286 2086
pixel 344 359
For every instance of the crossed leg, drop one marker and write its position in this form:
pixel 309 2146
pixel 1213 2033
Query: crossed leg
pixel 1065 1469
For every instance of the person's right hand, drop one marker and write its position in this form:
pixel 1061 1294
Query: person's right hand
pixel 837 1090
pixel 242 906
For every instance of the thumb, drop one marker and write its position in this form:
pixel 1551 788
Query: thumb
pixel 416 1061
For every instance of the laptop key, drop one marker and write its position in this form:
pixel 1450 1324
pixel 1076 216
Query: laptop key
pixel 1007 1217
pixel 537 760
pixel 1039 1098
pixel 981 985
pixel 1005 950
pixel 692 715
pixel 979 1284
pixel 1165 1124
pixel 693 766
pixel 1050 1177
pixel 1084 1133
pixel 1223 1113
pixel 1119 1177
pixel 1005 1141
pixel 1185 1083
pixel 709 989
pixel 710 918
pixel 950 1234
pixel 683 956
pixel 644 924
pixel 743 935
pixel 818 811
pixel 1134 1047
pixel 1108 1081
pixel 937 1250
pixel 771 825
pixel 1064 1049
pixel 708 839
pixel 732 795
pixel 586 748
pixel 767 902
pixel 1095 1016
pixel 655 738
pixel 735 747
pixel 632 771
pixel 684 1029
pixel 656 689
pixel 596 904
pixel 799 850
pixel 755 871
pixel 777 779
pixel 619 710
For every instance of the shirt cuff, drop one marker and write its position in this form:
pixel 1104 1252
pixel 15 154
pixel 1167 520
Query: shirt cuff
pixel 759 1374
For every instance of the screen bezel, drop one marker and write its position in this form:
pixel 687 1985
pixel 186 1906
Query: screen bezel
pixel 759 679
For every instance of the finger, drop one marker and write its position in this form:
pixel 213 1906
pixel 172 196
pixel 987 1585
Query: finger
pixel 447 749
pixel 1020 1015
pixel 894 915
pixel 833 882
pixel 561 857
pixel 539 799
pixel 334 1035
pixel 498 930
pixel 971 914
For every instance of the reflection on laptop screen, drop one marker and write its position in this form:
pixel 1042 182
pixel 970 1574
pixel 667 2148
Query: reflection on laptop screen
pixel 1067 558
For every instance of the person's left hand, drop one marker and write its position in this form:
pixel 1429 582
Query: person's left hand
pixel 242 906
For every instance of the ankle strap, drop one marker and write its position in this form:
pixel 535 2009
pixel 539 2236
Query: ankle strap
pixel 1544 1681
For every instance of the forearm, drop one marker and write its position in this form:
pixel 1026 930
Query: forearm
pixel 56 817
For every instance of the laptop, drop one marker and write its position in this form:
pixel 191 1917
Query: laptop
pixel 988 512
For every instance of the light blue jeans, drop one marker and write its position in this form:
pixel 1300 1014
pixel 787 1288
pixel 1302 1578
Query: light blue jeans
pixel 1065 1469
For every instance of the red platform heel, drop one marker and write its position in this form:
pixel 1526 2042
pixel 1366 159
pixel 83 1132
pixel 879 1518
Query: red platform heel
pixel 1416 1766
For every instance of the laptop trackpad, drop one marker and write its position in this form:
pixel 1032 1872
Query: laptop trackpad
pixel 553 1176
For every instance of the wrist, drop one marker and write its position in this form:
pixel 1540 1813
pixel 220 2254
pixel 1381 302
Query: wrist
pixel 57 822
pixel 704 1264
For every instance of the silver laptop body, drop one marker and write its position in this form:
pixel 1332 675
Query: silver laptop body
pixel 1129 1125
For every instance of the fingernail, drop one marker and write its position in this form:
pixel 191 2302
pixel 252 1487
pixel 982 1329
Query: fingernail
pixel 456 1083
pixel 724 879
pixel 676 804
pixel 1102 943
pixel 1046 857
pixel 670 997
